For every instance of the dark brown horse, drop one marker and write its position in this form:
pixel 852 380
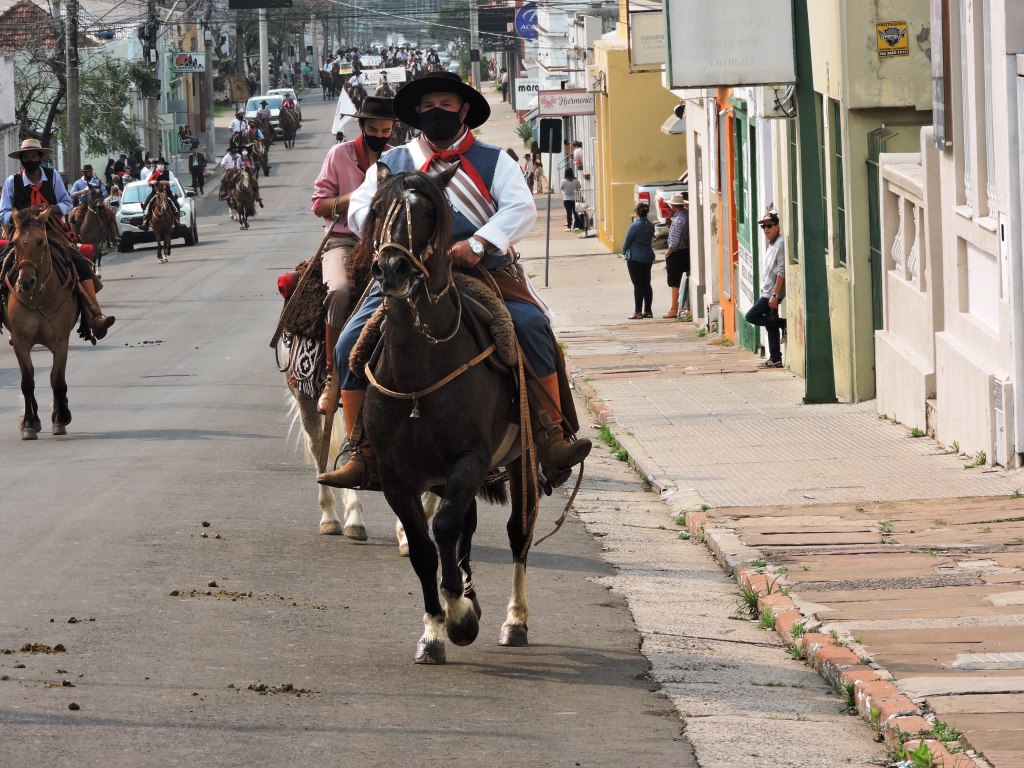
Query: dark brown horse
pixel 289 127
pixel 94 224
pixel 446 437
pixel 163 219
pixel 40 309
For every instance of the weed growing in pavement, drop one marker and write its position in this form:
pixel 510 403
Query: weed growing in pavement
pixel 885 526
pixel 930 551
pixel 681 520
pixel 758 563
pixel 865 661
pixel 805 567
pixel 799 630
pixel 945 732
pixel 686 317
pixel 980 460
pixel 938 523
pixel 850 697
pixel 915 432
pixel 876 720
pixel 894 752
pixel 987 529
pixel 724 342
pixel 748 599
pixel 609 439
pixel 859 640
pixel 921 757
pixel 684 535
pixel 833 634
pixel 767 619
pixel 955 447
pixel 858 509
pixel 705 507
pixel 795 651
pixel 782 570
pixel 702 332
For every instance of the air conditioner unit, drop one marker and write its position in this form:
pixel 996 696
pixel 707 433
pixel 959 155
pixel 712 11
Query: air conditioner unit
pixel 775 101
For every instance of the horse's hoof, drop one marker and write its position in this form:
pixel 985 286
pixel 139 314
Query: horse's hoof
pixel 331 528
pixel 463 629
pixel 403 550
pixel 27 433
pixel 431 652
pixel 60 429
pixel 513 635
pixel 355 532
pixel 476 606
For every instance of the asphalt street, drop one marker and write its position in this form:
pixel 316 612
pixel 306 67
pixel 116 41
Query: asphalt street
pixel 180 419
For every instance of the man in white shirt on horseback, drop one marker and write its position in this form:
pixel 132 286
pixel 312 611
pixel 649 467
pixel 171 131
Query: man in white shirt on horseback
pixel 492 208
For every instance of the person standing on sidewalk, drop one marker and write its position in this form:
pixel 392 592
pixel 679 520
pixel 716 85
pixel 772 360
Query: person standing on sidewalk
pixel 197 167
pixel 677 258
pixel 570 186
pixel 343 171
pixel 765 311
pixel 639 255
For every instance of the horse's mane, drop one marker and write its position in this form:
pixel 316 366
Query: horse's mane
pixel 390 190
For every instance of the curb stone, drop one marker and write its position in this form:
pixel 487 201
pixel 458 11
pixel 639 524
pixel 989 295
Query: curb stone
pixel 897 716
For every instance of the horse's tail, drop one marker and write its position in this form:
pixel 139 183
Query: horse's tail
pixel 494 492
pixel 302 408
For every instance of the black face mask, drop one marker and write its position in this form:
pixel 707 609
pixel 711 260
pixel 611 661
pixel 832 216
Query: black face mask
pixel 439 124
pixel 376 143
pixel 31 165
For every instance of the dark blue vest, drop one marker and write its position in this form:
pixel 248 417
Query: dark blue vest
pixel 484 158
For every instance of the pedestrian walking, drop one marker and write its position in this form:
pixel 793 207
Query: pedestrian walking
pixel 540 183
pixel 677 257
pixel 503 84
pixel 570 186
pixel 639 255
pixel 765 311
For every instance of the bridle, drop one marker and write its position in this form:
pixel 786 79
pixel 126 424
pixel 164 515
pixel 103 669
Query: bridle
pixel 389 222
pixel 41 284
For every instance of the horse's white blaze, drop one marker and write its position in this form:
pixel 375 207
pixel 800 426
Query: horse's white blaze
pixel 434 629
pixel 518 608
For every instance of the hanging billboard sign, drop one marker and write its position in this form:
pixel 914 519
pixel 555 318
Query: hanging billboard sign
pixel 739 42
pixel 185 62
pixel 376 76
pixel 526 93
pixel 526 22
pixel 646 41
pixel 565 103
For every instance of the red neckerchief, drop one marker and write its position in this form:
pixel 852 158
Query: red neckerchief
pixel 363 161
pixel 155 176
pixel 451 155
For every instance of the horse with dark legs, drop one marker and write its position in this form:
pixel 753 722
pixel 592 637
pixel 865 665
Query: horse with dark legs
pixel 94 224
pixel 40 309
pixel 448 436
pixel 289 127
pixel 163 219
pixel 242 198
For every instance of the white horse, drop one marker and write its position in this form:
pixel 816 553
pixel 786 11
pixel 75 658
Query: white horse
pixel 302 410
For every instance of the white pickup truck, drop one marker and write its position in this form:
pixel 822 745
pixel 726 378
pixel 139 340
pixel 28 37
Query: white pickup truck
pixel 656 195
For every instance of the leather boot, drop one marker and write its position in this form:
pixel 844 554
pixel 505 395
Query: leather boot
pixel 360 471
pixel 98 322
pixel 557 455
pixel 675 305
pixel 331 340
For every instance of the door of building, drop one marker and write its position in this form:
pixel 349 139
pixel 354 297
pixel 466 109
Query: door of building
pixel 745 192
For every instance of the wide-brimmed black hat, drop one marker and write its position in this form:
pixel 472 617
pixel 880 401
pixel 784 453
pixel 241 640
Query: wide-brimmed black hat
pixel 377 108
pixel 408 98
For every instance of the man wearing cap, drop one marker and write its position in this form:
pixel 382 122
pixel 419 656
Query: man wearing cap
pixel 765 311
pixel 343 171
pixel 492 208
pixel 34 186
pixel 677 257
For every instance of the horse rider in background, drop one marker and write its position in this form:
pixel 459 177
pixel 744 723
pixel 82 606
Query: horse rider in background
pixel 160 175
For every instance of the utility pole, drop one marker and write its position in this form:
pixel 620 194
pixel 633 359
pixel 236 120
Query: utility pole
pixel 72 146
pixel 208 41
pixel 819 373
pixel 474 43
pixel 239 45
pixel 152 136
pixel 264 53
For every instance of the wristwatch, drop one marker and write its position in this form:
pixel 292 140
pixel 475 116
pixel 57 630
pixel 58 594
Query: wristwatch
pixel 476 246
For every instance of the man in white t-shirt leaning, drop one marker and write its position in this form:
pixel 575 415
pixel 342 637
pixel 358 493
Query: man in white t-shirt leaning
pixel 765 311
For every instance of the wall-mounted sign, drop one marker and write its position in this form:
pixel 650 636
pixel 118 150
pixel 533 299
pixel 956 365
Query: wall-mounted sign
pixel 892 39
pixel 526 92
pixel 646 40
pixel 184 62
pixel 739 42
pixel 526 22
pixel 565 103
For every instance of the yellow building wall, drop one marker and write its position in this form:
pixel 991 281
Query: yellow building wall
pixel 630 145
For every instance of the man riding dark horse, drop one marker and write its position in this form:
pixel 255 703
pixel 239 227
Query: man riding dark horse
pixel 160 175
pixel 492 208
pixel 33 186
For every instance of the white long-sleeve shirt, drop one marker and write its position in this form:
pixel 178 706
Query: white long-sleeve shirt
pixel 516 214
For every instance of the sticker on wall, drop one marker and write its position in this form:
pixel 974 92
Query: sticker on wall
pixel 892 39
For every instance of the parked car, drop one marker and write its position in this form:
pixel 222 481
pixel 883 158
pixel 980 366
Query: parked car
pixel 129 216
pixel 284 93
pixel 656 195
pixel 273 104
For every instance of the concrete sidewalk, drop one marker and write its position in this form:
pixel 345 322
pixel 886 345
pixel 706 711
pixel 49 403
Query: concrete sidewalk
pixel 911 608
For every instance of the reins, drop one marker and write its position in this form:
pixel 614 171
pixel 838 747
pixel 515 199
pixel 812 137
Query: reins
pixel 41 284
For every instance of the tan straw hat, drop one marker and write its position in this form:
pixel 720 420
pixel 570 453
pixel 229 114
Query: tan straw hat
pixel 29 145
pixel 679 198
